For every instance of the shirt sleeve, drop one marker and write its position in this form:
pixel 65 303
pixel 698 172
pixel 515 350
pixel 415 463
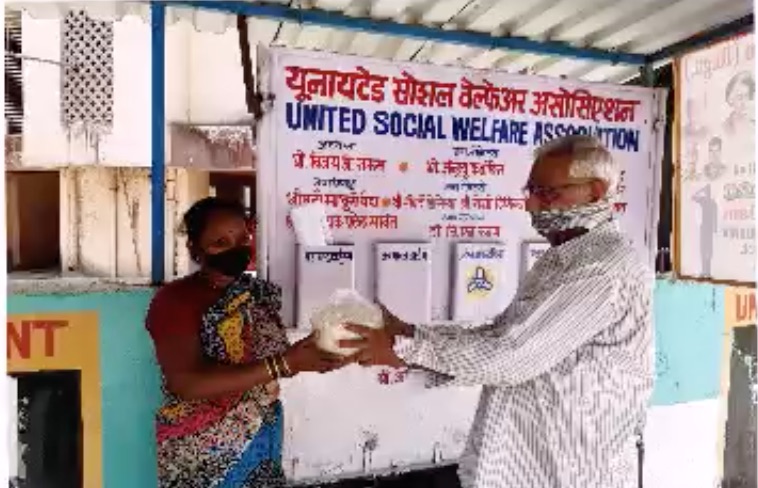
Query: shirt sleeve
pixel 529 339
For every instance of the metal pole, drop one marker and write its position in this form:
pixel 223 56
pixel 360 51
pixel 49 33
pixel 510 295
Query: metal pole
pixel 648 79
pixel 25 57
pixel 648 75
pixel 158 139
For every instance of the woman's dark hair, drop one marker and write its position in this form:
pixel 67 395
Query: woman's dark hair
pixel 196 219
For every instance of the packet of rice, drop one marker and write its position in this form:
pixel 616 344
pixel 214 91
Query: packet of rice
pixel 344 307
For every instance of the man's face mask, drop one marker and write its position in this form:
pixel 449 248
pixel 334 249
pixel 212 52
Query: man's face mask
pixel 232 262
pixel 585 216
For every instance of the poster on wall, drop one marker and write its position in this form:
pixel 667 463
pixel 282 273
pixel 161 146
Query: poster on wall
pixel 480 282
pixel 739 391
pixel 411 263
pixel 716 177
pixel 419 153
pixel 320 271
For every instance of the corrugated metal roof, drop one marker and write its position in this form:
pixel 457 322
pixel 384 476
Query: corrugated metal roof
pixel 634 26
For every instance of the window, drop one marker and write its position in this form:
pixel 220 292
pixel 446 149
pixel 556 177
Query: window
pixel 235 186
pixel 33 220
pixel 49 437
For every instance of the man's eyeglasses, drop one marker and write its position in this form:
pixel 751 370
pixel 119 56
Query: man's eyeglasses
pixel 547 194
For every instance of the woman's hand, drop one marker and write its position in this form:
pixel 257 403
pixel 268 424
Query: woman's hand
pixel 305 356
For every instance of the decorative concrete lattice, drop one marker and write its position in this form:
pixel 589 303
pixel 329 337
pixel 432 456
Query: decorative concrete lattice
pixel 87 74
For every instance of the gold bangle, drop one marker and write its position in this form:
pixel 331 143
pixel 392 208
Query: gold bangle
pixel 267 362
pixel 276 367
pixel 285 366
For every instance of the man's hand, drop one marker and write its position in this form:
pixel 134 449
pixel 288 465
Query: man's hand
pixel 393 325
pixel 375 347
pixel 305 356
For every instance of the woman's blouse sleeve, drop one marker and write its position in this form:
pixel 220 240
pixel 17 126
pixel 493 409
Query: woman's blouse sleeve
pixel 172 315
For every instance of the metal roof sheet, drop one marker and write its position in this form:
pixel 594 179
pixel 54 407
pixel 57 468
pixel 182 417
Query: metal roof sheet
pixel 624 26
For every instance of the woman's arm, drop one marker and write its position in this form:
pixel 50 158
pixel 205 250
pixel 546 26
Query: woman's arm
pixel 188 376
pixel 175 328
pixel 191 378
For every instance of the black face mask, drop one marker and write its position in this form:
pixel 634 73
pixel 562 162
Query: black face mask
pixel 232 262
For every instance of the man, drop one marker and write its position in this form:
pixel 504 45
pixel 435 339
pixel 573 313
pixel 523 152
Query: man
pixel 715 168
pixel 709 227
pixel 567 368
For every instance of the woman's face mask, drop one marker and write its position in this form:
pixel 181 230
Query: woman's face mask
pixel 232 262
pixel 225 245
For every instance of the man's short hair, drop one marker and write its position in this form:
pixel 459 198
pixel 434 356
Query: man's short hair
pixel 589 158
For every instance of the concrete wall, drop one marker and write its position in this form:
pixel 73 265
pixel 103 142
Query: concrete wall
pixel 203 79
pixel 105 223
pixel 346 423
pixel 684 423
pixel 47 143
pixel 105 188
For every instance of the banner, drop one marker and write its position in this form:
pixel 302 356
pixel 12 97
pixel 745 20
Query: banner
pixel 417 153
pixel 716 178
pixel 739 307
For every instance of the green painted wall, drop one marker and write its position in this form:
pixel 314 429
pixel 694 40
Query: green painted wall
pixel 689 321
pixel 131 385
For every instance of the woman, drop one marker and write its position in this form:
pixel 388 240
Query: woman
pixel 221 347
pixel 740 92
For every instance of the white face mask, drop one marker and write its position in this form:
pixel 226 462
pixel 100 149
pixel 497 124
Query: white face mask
pixel 586 216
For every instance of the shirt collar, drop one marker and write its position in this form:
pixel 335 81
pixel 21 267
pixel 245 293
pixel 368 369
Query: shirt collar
pixel 564 252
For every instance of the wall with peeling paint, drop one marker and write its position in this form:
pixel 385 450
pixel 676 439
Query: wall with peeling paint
pixel 48 144
pixel 203 76
pixel 690 330
pixel 105 188
pixel 346 424
pixel 214 67
pixel 105 220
